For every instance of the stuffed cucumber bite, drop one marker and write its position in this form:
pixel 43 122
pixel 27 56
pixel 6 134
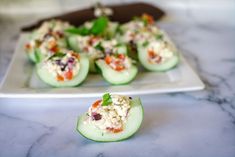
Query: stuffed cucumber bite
pixel 116 67
pixel 112 118
pixel 64 69
pixel 137 32
pixel 158 56
pixel 88 45
pixel 95 47
pixel 46 40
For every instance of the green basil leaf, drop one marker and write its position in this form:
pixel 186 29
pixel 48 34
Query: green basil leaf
pixel 80 30
pixel 99 25
pixel 145 43
pixel 37 55
pixel 159 36
pixel 107 100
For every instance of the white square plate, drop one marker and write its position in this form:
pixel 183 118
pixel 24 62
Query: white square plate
pixel 21 81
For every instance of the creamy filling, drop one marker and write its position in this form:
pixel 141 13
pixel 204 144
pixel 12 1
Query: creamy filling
pixel 88 45
pixel 110 118
pixel 159 52
pixel 48 37
pixel 118 62
pixel 63 68
pixel 137 32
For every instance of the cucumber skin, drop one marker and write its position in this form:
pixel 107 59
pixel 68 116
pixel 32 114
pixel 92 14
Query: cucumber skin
pixel 113 83
pixel 35 56
pixel 61 84
pixel 176 55
pixel 113 140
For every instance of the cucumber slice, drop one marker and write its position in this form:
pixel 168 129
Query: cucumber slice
pixel 116 77
pixel 134 120
pixel 111 30
pixel 166 65
pixel 35 56
pixel 73 44
pixel 46 76
pixel 31 56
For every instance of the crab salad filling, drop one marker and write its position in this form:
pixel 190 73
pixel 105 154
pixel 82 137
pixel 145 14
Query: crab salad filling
pixel 109 114
pixel 63 66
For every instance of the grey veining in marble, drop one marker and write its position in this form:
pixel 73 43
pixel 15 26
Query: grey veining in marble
pixel 175 125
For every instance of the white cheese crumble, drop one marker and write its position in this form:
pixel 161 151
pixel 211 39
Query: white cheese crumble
pixel 160 48
pixel 111 117
pixel 60 66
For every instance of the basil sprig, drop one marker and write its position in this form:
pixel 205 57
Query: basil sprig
pixel 98 27
pixel 106 100
pixel 79 30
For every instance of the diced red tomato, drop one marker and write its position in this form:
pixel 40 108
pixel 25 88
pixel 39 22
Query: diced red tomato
pixel 52 44
pixel 96 104
pixel 108 59
pixel 92 40
pixel 54 49
pixel 119 68
pixel 117 62
pixel 76 55
pixel 149 18
pixel 121 56
pixel 115 130
pixel 151 53
pixel 60 78
pixel 69 75
pixel 27 46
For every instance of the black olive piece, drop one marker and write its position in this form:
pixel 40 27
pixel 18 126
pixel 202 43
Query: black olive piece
pixel 63 66
pixel 96 116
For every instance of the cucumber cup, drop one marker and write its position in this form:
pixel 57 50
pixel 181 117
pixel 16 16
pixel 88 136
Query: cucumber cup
pixel 155 58
pixel 64 69
pixel 91 127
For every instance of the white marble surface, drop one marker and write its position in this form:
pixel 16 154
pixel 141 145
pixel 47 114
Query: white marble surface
pixel 176 125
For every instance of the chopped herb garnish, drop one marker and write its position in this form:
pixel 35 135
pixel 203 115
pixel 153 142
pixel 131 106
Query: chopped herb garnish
pixel 99 47
pixel 107 100
pixel 119 30
pixel 144 20
pixel 58 54
pixel 159 36
pixel 145 43
pixel 37 55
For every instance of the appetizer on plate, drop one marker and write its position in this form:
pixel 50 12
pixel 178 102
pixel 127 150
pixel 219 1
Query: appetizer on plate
pixel 88 45
pixel 107 47
pixel 149 44
pixel 158 56
pixel 46 40
pixel 64 69
pixel 88 37
pixel 112 118
pixel 116 67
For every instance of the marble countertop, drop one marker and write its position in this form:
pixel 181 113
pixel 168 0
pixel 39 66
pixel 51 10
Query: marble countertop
pixel 191 124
